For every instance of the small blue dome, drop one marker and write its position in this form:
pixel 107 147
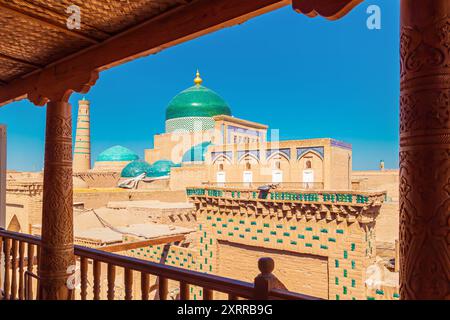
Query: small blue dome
pixel 196 153
pixel 117 154
pixel 136 168
pixel 161 168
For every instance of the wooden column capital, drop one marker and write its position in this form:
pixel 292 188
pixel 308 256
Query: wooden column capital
pixel 425 150
pixel 54 85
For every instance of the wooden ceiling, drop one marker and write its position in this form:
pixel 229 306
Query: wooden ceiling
pixel 33 33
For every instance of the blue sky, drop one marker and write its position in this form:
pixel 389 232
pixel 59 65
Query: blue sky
pixel 309 78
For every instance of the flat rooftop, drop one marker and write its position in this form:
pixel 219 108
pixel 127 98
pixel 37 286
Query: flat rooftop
pixel 149 204
pixel 146 231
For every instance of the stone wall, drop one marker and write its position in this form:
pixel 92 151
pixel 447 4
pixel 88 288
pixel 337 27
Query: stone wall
pixel 348 249
pixel 181 178
pixel 330 161
pixel 96 198
pixel 300 238
pixel 24 202
pixel 341 166
pixel 310 272
pixel 388 225
pixel 387 180
pixel 388 220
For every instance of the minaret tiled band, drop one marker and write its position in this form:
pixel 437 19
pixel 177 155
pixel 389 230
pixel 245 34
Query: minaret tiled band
pixel 82 151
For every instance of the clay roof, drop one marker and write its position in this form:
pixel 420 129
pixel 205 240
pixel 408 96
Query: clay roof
pixel 148 230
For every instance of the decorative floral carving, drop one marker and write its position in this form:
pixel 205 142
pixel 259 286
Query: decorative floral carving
pixel 444 35
pixel 441 109
pixel 408 114
pixel 419 48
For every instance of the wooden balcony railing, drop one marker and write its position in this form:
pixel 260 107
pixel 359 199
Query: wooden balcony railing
pixel 20 279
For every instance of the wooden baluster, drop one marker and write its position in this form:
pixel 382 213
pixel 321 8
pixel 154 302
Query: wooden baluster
pixel 21 269
pixel 128 284
pixel 111 281
pixel 207 294
pixel 1 259
pixel 30 265
pixel 184 291
pixel 38 259
pixel 232 296
pixel 163 288
pixel 97 279
pixel 14 270
pixel 145 285
pixel 84 277
pixel 7 281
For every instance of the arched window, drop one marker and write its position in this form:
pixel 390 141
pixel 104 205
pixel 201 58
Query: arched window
pixel 308 164
pixel 221 167
pixel 248 166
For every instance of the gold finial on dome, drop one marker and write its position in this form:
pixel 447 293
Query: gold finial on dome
pixel 198 81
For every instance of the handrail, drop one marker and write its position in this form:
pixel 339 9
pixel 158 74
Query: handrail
pixel 232 287
pixel 278 294
pixel 20 237
pixel 213 282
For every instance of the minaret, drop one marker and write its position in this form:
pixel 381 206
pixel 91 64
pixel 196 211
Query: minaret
pixel 82 152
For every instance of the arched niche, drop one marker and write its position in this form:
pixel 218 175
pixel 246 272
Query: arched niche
pixel 14 225
pixel 310 166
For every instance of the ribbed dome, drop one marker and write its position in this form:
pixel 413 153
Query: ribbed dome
pixel 161 168
pixel 197 101
pixel 197 153
pixel 117 154
pixel 136 168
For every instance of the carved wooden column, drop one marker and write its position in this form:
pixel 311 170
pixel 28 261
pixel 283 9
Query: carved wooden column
pixel 425 150
pixel 57 253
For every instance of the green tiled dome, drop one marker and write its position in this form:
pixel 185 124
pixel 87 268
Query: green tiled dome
pixel 197 153
pixel 161 168
pixel 136 168
pixel 117 154
pixel 197 101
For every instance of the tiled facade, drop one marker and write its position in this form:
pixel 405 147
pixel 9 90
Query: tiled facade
pixel 335 226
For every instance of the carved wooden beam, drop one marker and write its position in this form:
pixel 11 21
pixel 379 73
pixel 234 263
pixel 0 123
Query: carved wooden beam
pixel 330 9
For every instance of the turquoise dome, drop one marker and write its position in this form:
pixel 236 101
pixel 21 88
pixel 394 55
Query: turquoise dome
pixel 136 168
pixel 161 168
pixel 117 154
pixel 197 153
pixel 197 101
